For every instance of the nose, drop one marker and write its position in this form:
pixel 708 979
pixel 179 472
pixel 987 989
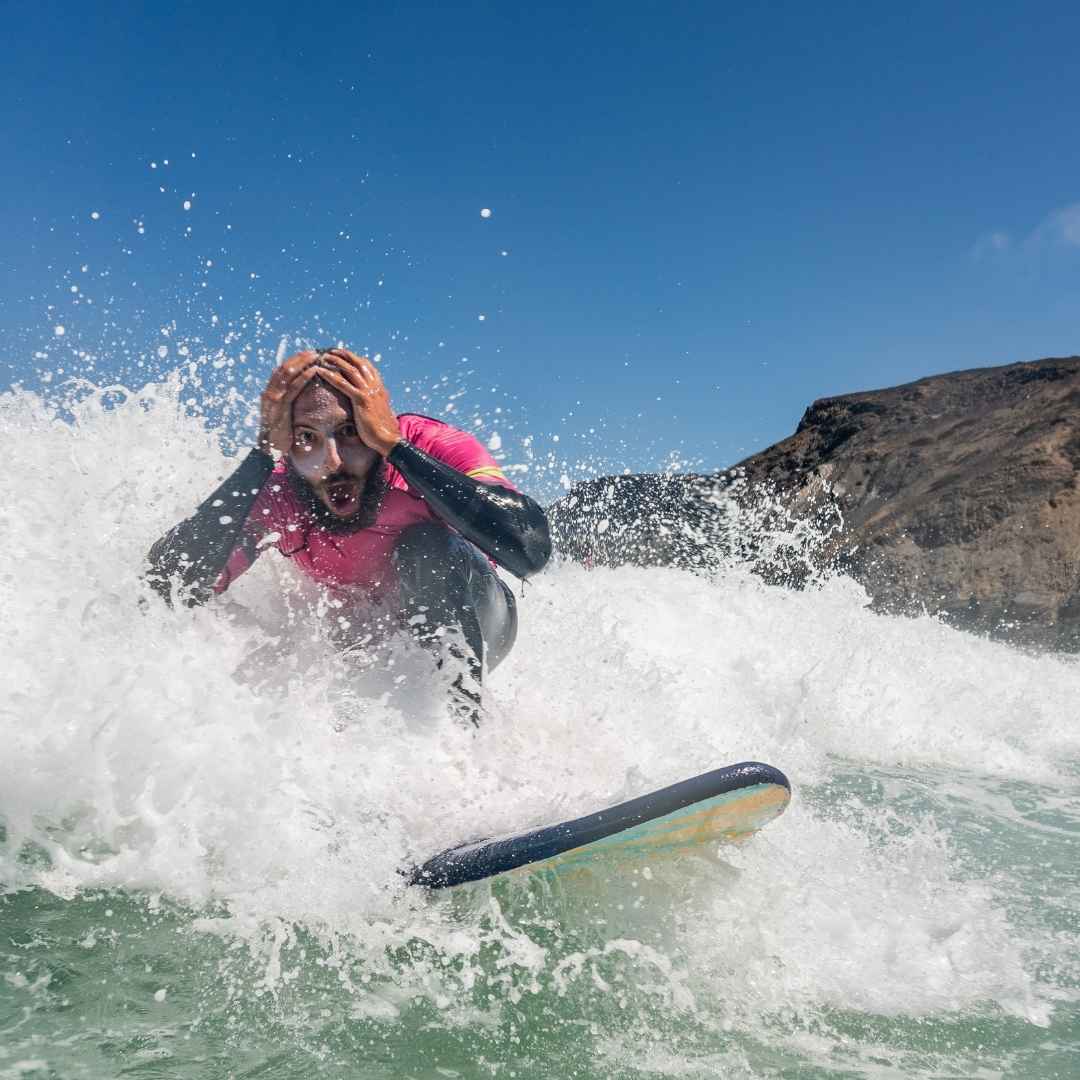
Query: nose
pixel 332 462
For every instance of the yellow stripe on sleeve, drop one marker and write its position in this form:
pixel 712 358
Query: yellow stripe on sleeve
pixel 487 470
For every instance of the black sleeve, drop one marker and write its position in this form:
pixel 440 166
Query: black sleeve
pixel 504 524
pixel 195 551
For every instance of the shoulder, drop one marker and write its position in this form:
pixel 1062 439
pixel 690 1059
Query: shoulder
pixel 419 429
pixel 451 445
pixel 438 438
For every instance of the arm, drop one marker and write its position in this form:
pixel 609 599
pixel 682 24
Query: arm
pixel 197 550
pixel 501 522
pixel 200 548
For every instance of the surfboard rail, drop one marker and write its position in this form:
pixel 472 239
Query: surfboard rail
pixel 763 790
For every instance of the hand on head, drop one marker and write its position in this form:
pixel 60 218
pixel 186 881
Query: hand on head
pixel 354 376
pixel 275 405
pixel 359 380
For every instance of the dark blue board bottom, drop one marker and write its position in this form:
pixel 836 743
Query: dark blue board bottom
pixel 486 858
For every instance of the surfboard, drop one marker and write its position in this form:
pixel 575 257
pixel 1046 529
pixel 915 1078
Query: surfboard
pixel 728 804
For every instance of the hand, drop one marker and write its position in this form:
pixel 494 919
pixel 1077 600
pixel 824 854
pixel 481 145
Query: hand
pixel 275 405
pixel 359 380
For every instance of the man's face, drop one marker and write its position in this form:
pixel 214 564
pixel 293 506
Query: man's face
pixel 327 451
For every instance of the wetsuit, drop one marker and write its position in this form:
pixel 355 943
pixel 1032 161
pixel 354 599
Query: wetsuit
pixel 446 502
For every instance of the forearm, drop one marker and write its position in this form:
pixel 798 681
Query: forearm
pixel 195 551
pixel 504 524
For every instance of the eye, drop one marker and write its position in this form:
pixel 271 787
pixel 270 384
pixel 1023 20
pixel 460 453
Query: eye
pixel 303 440
pixel 348 431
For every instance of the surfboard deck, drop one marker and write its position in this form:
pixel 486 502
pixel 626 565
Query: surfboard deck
pixel 727 804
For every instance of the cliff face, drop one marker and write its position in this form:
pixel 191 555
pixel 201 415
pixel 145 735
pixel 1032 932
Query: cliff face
pixel 959 493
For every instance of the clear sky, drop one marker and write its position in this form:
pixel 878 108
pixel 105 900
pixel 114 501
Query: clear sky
pixel 703 216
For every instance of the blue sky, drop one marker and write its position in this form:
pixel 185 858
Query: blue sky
pixel 702 217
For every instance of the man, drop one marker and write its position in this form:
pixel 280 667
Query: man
pixel 403 514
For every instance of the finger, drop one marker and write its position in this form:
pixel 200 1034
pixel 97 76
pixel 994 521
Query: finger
pixel 300 358
pixel 343 361
pixel 287 371
pixel 357 363
pixel 296 362
pixel 336 379
pixel 360 371
pixel 300 362
pixel 346 355
pixel 332 362
pixel 279 398
pixel 298 384
pixel 359 385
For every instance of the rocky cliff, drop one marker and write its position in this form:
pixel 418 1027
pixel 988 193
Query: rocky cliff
pixel 958 494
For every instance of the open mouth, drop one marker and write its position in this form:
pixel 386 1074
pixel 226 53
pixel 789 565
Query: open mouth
pixel 343 497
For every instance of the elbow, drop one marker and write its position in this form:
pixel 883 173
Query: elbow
pixel 537 552
pixel 160 567
pixel 173 576
pixel 533 550
pixel 161 558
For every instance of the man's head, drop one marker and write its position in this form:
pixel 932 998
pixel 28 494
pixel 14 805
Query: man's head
pixel 341 479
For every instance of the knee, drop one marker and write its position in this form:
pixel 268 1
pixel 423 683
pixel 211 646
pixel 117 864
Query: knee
pixel 426 540
pixel 427 552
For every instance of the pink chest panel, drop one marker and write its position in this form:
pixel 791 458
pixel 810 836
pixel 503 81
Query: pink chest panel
pixel 355 560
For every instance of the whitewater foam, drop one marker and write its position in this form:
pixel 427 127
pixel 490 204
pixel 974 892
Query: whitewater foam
pixel 158 752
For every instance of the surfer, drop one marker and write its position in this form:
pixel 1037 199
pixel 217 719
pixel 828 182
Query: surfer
pixel 402 516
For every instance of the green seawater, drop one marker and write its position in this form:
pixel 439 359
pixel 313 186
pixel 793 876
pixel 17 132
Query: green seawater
pixel 588 978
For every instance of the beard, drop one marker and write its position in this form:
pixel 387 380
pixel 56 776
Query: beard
pixel 370 503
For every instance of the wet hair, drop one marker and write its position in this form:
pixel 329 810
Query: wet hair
pixel 320 515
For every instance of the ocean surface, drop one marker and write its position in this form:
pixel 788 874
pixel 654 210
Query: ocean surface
pixel 204 814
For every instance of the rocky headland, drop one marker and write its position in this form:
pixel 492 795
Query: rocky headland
pixel 957 495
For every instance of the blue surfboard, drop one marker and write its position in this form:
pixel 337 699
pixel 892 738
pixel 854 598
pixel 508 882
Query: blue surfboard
pixel 726 804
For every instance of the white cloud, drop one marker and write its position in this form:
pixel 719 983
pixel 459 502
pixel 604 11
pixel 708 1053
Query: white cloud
pixel 1061 228
pixel 990 244
pixel 1064 225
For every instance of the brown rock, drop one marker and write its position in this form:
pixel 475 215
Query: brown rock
pixel 960 495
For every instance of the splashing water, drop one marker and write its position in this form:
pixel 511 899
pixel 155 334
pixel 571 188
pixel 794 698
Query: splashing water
pixel 204 813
